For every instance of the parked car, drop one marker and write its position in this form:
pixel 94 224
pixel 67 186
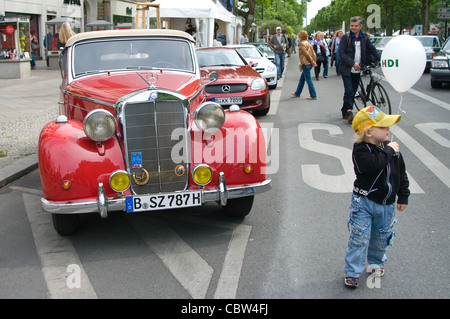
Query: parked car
pixel 440 66
pixel 261 64
pixel 431 44
pixel 381 42
pixel 266 49
pixel 238 82
pixel 135 133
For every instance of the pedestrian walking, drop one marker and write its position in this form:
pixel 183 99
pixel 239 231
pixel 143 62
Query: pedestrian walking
pixel 334 49
pixel 321 53
pixel 327 54
pixel 34 51
pixel 381 179
pixel 355 51
pixel 279 43
pixel 307 59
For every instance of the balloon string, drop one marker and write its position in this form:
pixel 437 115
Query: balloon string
pixel 398 112
pixel 400 105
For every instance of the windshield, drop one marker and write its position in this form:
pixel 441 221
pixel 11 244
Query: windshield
pixel 264 48
pixel 249 52
pixel 428 41
pixel 219 57
pixel 119 54
pixel 446 47
pixel 382 41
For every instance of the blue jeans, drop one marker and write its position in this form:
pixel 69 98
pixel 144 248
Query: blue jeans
pixel 306 77
pixel 372 231
pixel 279 62
pixel 325 67
pixel 337 63
pixel 350 87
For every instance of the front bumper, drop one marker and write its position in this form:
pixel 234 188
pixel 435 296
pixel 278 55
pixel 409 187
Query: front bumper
pixel 104 205
pixel 440 75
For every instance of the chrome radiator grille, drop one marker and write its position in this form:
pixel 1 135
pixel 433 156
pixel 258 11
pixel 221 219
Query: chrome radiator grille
pixel 148 127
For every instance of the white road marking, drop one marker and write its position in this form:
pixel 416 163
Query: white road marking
pixel 431 99
pixel 429 160
pixel 234 258
pixel 56 253
pixel 187 266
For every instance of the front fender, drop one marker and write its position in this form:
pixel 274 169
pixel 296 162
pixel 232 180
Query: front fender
pixel 238 143
pixel 67 154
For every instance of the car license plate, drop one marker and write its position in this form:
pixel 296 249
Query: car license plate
pixel 163 201
pixel 229 100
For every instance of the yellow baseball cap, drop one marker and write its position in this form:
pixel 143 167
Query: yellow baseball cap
pixel 372 116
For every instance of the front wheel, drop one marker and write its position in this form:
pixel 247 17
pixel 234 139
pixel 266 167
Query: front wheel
pixel 65 224
pixel 359 101
pixel 380 98
pixel 239 207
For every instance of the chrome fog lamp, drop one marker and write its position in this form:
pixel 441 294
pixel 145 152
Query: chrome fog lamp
pixel 209 117
pixel 258 84
pixel 99 125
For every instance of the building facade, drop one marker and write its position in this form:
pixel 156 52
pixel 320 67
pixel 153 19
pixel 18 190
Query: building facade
pixel 40 12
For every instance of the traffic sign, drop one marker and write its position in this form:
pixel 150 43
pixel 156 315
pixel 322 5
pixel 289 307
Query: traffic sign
pixel 443 15
pixel 443 10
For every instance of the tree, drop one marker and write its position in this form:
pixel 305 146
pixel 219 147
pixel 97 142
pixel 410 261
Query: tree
pixel 289 12
pixel 425 10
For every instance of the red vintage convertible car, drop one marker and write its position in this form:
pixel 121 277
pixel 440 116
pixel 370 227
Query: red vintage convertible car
pixel 135 132
pixel 238 82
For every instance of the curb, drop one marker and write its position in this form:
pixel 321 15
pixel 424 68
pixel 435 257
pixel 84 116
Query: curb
pixel 18 169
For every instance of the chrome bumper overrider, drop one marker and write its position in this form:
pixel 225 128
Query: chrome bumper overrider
pixel 103 205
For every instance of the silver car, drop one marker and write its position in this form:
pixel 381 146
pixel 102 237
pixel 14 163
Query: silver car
pixel 440 66
pixel 431 44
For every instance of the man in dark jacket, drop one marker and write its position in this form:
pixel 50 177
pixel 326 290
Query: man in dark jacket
pixel 355 51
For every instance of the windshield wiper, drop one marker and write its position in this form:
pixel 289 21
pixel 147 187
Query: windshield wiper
pixel 141 68
pixel 92 72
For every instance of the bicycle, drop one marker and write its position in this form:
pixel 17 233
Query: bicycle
pixel 374 92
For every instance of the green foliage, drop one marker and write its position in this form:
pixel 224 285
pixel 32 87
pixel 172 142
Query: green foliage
pixel 394 14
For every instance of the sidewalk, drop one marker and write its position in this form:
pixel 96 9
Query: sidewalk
pixel 26 105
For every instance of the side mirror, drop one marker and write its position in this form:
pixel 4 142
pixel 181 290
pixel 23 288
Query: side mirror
pixel 213 76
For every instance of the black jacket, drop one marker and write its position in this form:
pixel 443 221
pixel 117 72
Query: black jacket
pixel 380 174
pixel 346 52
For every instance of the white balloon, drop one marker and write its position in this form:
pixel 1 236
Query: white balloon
pixel 403 62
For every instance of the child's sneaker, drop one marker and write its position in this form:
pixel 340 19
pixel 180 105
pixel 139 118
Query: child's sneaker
pixel 378 272
pixel 375 269
pixel 351 282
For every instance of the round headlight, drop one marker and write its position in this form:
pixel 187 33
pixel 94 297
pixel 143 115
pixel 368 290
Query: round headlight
pixel 119 181
pixel 209 117
pixel 201 174
pixel 99 125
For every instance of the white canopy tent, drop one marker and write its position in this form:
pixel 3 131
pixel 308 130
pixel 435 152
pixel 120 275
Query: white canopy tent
pixel 205 12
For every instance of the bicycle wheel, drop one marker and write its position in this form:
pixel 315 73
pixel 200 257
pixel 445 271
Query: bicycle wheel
pixel 359 101
pixel 380 98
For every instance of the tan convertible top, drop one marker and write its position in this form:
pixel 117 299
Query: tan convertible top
pixel 128 32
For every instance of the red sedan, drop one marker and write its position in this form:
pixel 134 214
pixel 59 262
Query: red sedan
pixel 238 82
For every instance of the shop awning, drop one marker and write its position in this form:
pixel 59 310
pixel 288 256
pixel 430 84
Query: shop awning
pixel 190 9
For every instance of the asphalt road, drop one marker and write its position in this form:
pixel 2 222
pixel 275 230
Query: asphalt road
pixel 291 246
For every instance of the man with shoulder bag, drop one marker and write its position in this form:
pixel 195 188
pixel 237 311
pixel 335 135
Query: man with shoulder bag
pixel 279 43
pixel 355 51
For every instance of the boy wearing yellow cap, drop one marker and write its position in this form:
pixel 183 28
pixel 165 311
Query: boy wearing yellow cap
pixel 380 179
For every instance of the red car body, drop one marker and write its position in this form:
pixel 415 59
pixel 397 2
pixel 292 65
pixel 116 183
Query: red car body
pixel 123 119
pixel 236 76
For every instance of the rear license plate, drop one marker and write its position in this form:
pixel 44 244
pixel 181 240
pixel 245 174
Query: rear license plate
pixel 163 201
pixel 229 100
